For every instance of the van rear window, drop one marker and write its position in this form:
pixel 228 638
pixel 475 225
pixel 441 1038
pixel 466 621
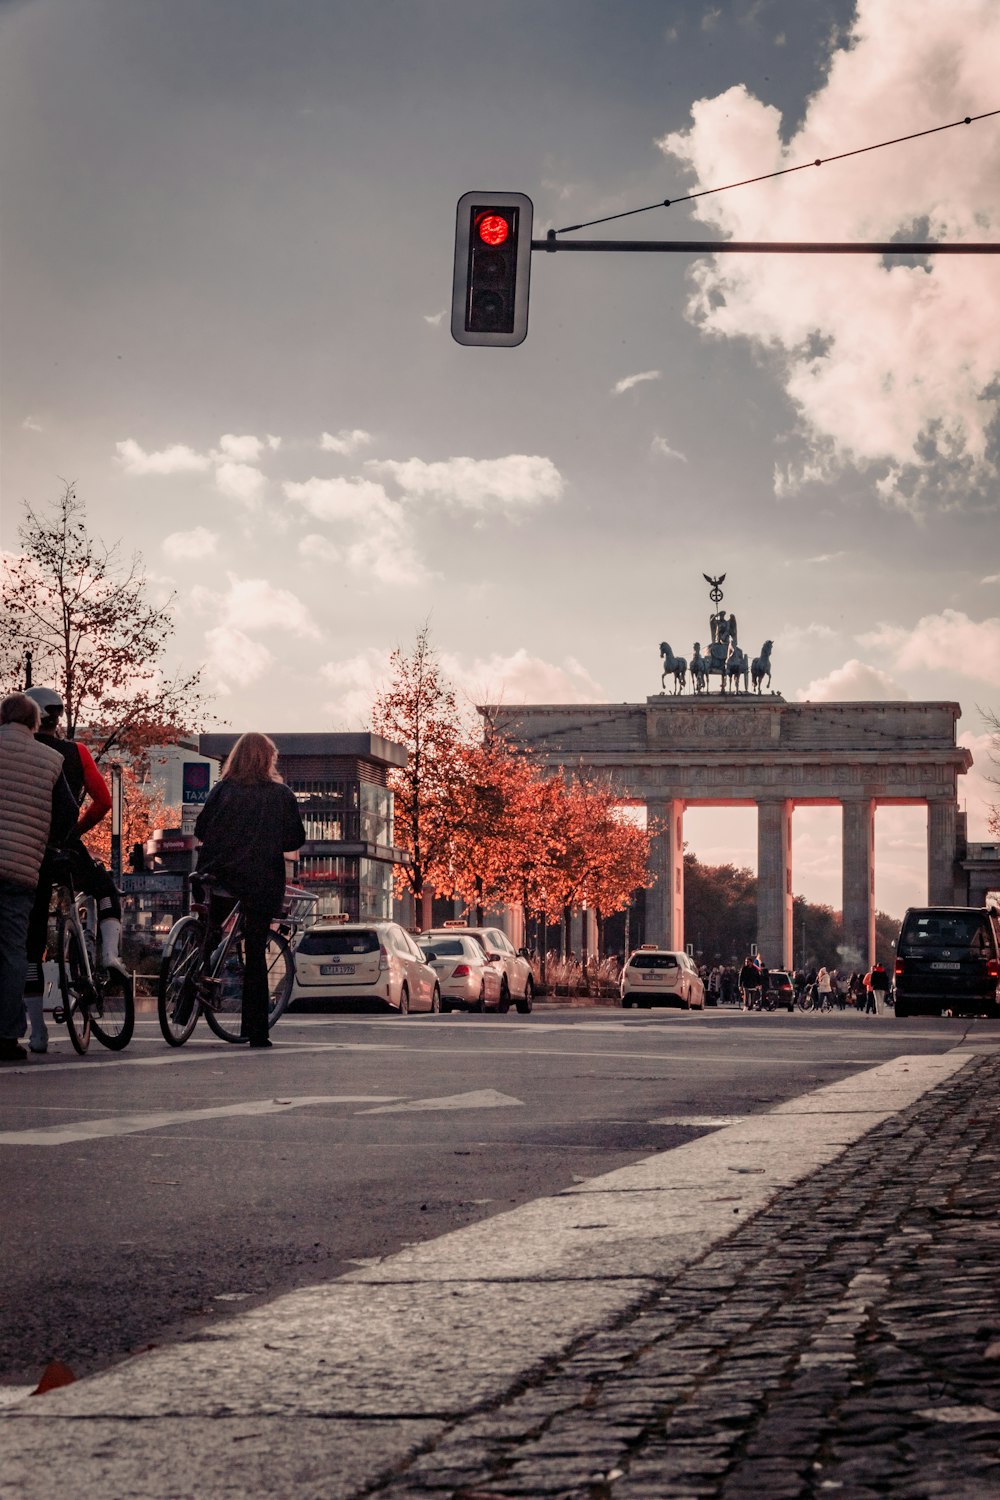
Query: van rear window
pixel 947 930
pixel 337 944
pixel 653 961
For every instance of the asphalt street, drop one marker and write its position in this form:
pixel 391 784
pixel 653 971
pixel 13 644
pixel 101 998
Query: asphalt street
pixel 377 1209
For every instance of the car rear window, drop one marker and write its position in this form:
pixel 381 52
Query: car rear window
pixel 444 947
pixel 653 961
pixel 947 930
pixel 338 943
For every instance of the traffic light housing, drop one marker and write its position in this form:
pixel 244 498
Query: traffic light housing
pixel 492 268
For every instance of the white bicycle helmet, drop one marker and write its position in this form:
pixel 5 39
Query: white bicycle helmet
pixel 49 701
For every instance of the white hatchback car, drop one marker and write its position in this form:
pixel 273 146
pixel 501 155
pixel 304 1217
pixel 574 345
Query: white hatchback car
pixel 469 980
pixel 661 974
pixel 363 961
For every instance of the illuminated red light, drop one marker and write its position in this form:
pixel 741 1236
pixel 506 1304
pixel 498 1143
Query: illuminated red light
pixel 493 229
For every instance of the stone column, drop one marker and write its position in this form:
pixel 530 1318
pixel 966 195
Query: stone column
pixel 859 880
pixel 665 899
pixel 942 824
pixel 774 882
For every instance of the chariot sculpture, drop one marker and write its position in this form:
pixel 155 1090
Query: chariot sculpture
pixel 723 656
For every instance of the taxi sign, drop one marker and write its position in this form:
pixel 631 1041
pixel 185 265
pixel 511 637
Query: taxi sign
pixel 454 922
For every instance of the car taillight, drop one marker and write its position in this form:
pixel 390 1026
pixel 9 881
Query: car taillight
pixel 993 968
pixel 899 967
pixel 462 971
pixel 383 957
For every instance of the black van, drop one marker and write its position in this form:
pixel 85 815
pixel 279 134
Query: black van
pixel 948 958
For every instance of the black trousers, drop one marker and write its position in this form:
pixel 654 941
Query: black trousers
pixel 256 926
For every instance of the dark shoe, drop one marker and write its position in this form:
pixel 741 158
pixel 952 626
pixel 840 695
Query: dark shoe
pixel 264 1041
pixel 11 1051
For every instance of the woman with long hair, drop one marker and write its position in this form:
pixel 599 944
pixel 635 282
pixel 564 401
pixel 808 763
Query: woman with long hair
pixel 249 823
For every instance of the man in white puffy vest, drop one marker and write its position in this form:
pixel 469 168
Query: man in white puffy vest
pixel 36 804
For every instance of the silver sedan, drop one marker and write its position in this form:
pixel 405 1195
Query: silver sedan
pixel 468 978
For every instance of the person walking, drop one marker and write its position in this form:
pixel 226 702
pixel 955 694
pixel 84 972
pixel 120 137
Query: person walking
pixel 880 987
pixel 749 983
pixel 249 823
pixel 869 1007
pixel 35 805
pixel 824 986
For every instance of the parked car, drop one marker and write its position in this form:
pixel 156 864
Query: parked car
pixel 661 974
pixel 517 982
pixel 779 984
pixel 357 962
pixel 948 958
pixel 468 978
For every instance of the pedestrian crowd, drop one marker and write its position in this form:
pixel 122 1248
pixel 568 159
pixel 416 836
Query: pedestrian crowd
pixel 825 988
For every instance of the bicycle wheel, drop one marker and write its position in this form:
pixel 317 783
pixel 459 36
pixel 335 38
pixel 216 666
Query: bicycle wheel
pixel 112 1016
pixel 176 993
pixel 226 1016
pixel 73 984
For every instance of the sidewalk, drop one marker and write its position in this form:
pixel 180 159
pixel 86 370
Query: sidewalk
pixel 805 1304
pixel 845 1343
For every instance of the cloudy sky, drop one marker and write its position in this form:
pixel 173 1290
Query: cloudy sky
pixel 227 245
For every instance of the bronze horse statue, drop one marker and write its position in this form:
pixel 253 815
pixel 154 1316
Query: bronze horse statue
pixel 762 666
pixel 673 665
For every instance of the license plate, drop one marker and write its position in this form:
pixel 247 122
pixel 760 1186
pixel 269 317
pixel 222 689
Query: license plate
pixel 336 968
pixel 654 979
pixel 946 966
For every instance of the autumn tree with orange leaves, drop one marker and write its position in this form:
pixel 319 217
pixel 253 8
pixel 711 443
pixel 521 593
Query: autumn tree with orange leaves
pixel 418 710
pixel 82 614
pixel 143 810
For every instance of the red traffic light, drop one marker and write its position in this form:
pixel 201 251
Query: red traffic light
pixel 493 229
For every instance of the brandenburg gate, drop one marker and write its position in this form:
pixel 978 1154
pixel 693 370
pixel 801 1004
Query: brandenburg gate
pixel 732 749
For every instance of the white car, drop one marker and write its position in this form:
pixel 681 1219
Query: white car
pixel 354 962
pixel 661 974
pixel 517 983
pixel 468 978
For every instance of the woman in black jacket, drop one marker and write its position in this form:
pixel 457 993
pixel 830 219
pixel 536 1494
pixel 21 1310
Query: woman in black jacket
pixel 249 823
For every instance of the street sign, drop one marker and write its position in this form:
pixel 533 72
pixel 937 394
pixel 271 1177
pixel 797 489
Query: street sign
pixel 196 782
pixel 153 884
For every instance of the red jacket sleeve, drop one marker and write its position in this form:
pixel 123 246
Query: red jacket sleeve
pixel 97 790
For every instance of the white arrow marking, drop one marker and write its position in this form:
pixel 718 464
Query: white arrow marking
pixel 476 1099
pixel 89 1130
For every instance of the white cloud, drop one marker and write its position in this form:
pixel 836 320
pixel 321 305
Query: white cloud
pixel 661 446
pixel 243 450
pixel 435 319
pixel 233 660
pixel 240 482
pixel 855 680
pixel 177 459
pixel 852 334
pixel 517 482
pixel 274 443
pixel 185 545
pixel 30 425
pixel 355 683
pixel 991 578
pixel 347 440
pixel 522 678
pixel 255 604
pixel 621 386
pixel 949 641
pixel 374 539
pixel 518 678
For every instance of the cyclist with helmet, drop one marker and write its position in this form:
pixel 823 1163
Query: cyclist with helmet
pixel 88 786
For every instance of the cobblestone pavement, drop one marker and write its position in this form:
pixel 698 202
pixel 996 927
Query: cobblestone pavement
pixel 844 1343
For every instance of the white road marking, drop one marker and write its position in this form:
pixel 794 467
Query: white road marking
pixel 90 1130
pixel 699 1121
pixel 475 1099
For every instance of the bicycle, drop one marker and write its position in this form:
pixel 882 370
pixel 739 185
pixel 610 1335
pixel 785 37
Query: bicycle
pixel 97 999
pixel 195 980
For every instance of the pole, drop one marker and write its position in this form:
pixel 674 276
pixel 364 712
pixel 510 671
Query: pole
pixel 767 247
pixel 116 822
